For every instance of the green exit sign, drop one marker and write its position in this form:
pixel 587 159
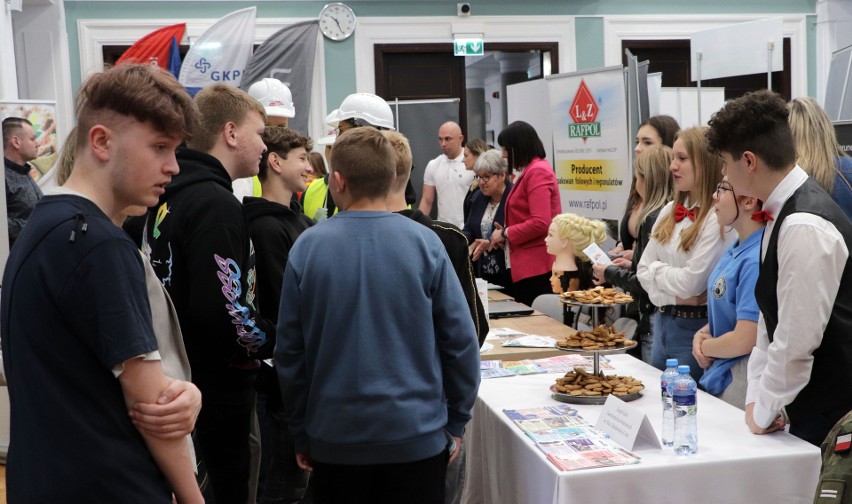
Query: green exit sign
pixel 469 47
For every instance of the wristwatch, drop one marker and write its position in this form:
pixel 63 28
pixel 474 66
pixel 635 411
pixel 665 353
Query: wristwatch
pixel 505 235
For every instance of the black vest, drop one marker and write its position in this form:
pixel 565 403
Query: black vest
pixel 829 391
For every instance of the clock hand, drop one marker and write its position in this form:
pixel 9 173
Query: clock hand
pixel 338 23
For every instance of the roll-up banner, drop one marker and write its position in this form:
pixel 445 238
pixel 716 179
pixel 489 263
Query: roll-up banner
pixel 590 141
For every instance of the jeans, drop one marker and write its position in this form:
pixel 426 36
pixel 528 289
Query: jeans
pixel 673 340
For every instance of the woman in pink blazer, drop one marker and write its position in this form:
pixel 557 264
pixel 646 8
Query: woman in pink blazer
pixel 530 207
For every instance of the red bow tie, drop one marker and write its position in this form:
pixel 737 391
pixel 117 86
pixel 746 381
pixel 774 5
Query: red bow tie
pixel 681 212
pixel 761 216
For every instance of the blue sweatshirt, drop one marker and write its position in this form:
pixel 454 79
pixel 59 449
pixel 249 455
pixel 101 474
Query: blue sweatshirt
pixel 376 352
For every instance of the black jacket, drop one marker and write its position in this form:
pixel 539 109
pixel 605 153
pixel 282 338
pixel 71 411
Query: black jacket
pixel 473 231
pixel 197 239
pixel 274 228
pixel 627 279
pixel 456 245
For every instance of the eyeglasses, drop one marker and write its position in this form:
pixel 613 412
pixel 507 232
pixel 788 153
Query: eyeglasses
pixel 722 187
pixel 484 178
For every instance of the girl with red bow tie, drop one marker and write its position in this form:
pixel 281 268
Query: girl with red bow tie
pixel 685 245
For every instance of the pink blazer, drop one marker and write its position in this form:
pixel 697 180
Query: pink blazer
pixel 530 207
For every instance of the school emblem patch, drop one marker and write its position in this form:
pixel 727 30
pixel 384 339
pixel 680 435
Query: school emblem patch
pixel 720 287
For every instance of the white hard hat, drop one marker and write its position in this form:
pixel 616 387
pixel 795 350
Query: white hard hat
pixel 328 138
pixel 275 97
pixel 367 107
pixel 333 119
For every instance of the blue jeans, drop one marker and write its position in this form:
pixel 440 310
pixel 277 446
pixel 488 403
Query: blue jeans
pixel 673 340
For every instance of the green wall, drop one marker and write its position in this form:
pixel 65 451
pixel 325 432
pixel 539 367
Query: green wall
pixel 340 56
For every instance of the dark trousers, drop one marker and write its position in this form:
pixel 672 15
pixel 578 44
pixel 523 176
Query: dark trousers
pixel 223 435
pixel 420 482
pixel 526 290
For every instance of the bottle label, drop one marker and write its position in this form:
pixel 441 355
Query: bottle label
pixel 665 391
pixel 684 400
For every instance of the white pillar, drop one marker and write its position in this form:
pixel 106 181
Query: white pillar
pixel 8 73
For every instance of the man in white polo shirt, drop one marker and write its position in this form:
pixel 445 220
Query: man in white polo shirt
pixel 447 177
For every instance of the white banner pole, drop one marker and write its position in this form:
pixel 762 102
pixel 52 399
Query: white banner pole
pixel 769 47
pixel 698 56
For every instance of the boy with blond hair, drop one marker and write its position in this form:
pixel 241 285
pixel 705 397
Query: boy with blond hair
pixel 401 379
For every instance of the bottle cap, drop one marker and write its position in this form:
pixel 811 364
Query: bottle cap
pixel 671 363
pixel 683 369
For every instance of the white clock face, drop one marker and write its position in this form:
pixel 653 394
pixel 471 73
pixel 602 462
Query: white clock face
pixel 337 21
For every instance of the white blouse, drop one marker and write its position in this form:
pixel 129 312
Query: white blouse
pixel 667 272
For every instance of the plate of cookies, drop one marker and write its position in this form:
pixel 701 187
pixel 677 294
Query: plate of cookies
pixel 581 387
pixel 602 339
pixel 597 296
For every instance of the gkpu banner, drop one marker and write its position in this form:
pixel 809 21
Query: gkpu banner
pixel 590 142
pixel 220 54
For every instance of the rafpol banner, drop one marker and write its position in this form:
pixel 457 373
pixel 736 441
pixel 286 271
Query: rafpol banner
pixel 590 142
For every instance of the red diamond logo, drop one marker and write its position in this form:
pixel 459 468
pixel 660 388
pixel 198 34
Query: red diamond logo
pixel 583 109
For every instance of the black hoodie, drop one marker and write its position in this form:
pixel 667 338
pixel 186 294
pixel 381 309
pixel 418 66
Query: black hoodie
pixel 456 245
pixel 274 228
pixel 197 239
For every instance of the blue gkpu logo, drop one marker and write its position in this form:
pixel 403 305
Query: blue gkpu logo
pixel 216 75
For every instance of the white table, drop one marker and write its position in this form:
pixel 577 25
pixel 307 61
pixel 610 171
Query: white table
pixel 731 466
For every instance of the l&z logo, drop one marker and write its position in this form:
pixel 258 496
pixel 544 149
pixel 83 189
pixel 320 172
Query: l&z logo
pixel 584 110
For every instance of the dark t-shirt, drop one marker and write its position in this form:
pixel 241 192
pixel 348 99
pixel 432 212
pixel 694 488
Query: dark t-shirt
pixel 74 305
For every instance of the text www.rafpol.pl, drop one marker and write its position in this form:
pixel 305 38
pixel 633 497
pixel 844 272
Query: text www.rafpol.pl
pixel 588 204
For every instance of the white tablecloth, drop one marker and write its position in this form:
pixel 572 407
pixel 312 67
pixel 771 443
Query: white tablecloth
pixel 731 466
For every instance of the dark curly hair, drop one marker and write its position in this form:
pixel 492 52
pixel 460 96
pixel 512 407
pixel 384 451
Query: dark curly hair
pixel 755 122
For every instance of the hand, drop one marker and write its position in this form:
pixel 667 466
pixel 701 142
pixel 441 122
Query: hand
pixel 627 254
pixel 478 247
pixel 303 460
pixel 456 451
pixel 174 414
pixel 618 249
pixel 703 360
pixel 621 262
pixel 776 424
pixel 599 276
pixel 497 239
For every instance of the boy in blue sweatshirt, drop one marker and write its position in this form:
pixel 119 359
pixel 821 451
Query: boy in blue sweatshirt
pixel 376 352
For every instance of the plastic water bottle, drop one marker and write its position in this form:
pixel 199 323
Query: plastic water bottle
pixel 666 380
pixel 684 394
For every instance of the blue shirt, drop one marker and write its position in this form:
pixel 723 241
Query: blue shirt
pixel 377 354
pixel 730 298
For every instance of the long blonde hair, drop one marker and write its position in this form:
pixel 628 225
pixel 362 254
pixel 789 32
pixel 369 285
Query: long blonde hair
pixel 653 166
pixel 816 143
pixel 708 173
pixel 580 231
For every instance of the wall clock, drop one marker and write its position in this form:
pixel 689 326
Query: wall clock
pixel 337 21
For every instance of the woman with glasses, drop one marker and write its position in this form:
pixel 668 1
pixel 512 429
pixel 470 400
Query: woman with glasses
pixel 486 209
pixel 472 151
pixel 685 245
pixel 654 188
pixel 530 207
pixel 723 345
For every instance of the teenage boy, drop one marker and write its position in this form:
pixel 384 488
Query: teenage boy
pixel 455 244
pixel 451 237
pixel 376 353
pixel 197 240
pixel 275 221
pixel 78 342
pixel 804 291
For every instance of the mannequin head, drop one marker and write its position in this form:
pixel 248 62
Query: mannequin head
pixel 566 238
pixel 572 233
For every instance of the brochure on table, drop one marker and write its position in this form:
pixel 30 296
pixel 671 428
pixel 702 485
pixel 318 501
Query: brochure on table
pixel 568 440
